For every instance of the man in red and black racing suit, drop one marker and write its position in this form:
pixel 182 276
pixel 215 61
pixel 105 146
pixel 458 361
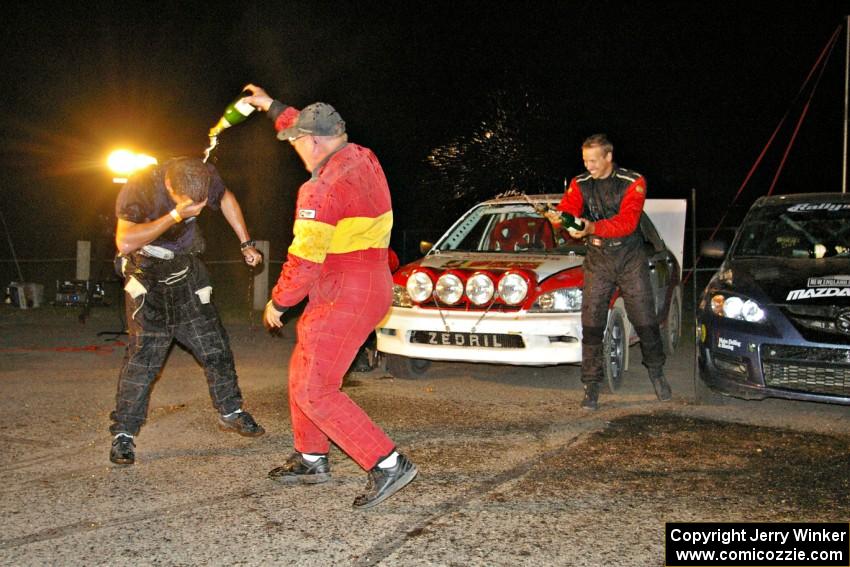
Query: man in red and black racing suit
pixel 610 199
pixel 338 257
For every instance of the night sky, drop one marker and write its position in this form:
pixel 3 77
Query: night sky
pixel 689 93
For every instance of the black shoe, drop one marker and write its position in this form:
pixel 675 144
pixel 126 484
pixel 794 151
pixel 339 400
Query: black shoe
pixel 123 452
pixel 661 386
pixel 361 362
pixel 591 397
pixel 383 483
pixel 297 470
pixel 242 423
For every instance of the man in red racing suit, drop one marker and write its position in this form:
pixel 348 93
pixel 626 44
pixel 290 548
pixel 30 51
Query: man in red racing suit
pixel 611 199
pixel 338 257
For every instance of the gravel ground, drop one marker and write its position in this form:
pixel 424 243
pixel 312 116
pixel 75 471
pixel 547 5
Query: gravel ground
pixel 512 472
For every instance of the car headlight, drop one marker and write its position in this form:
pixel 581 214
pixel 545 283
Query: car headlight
pixel 734 307
pixel 449 289
pixel 513 288
pixel 559 301
pixel 420 287
pixel 401 298
pixel 480 289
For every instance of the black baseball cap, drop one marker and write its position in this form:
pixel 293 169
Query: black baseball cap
pixel 317 119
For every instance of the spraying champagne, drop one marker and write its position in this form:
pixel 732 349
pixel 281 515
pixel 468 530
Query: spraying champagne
pixel 236 112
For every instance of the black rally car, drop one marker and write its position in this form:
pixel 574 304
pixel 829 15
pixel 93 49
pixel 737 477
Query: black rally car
pixel 774 321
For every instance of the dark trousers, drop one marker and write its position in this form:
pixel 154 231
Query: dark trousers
pixel 155 319
pixel 605 269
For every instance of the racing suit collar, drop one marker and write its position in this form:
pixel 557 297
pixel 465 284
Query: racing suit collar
pixel 315 173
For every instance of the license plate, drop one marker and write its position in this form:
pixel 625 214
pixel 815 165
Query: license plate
pixel 475 340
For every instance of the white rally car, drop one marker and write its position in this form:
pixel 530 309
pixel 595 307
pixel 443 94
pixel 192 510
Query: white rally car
pixel 501 286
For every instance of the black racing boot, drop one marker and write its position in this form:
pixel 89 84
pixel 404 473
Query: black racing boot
pixel 361 361
pixel 240 422
pixel 297 470
pixel 122 452
pixel 662 387
pixel 383 483
pixel 591 396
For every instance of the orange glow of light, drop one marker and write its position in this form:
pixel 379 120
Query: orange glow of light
pixel 125 162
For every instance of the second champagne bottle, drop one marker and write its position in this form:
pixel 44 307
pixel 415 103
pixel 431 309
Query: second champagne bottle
pixel 235 113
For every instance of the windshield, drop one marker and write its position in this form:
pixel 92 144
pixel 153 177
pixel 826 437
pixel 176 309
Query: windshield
pixel 802 230
pixel 507 228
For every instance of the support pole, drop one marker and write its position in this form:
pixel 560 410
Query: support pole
pixel 846 83
pixel 694 285
pixel 83 260
pixel 11 247
pixel 261 279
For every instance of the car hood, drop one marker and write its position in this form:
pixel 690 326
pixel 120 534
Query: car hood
pixel 543 265
pixel 794 280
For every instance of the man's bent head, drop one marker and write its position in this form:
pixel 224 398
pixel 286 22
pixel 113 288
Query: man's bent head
pixel 189 177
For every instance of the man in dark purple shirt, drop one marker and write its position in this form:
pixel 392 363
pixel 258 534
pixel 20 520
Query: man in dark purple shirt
pixel 168 292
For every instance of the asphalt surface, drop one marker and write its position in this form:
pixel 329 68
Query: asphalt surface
pixel 512 472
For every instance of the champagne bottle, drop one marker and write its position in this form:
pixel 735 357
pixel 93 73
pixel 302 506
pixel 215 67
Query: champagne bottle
pixel 569 221
pixel 235 113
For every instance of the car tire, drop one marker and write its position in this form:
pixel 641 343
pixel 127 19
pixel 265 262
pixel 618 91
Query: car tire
pixel 405 367
pixel 705 396
pixel 672 331
pixel 614 346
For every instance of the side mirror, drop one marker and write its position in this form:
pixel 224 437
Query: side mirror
pixel 713 249
pixel 425 247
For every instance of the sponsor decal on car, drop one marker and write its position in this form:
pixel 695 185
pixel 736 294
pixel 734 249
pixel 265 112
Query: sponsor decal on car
pixel 812 207
pixel 823 286
pixel 829 281
pixel 797 294
pixel 492 265
pixel 728 344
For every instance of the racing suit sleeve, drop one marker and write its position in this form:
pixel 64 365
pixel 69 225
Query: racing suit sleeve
pixel 311 235
pixel 626 220
pixel 282 115
pixel 572 202
pixel 315 223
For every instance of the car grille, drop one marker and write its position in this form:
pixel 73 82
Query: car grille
pixel 815 370
pixel 818 324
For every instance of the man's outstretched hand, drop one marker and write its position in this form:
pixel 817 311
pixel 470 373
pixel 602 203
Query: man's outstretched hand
pixel 272 317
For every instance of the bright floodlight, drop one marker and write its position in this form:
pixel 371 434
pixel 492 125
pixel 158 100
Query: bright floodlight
pixel 125 162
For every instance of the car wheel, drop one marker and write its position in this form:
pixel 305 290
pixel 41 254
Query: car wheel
pixel 406 367
pixel 614 347
pixel 673 326
pixel 705 396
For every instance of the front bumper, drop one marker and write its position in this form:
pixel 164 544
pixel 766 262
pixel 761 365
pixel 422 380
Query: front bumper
pixel 752 366
pixel 547 338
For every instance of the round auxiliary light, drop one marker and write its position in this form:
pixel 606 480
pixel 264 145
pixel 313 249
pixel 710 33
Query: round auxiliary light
pixel 449 289
pixel 480 289
pixel 420 287
pixel 513 288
